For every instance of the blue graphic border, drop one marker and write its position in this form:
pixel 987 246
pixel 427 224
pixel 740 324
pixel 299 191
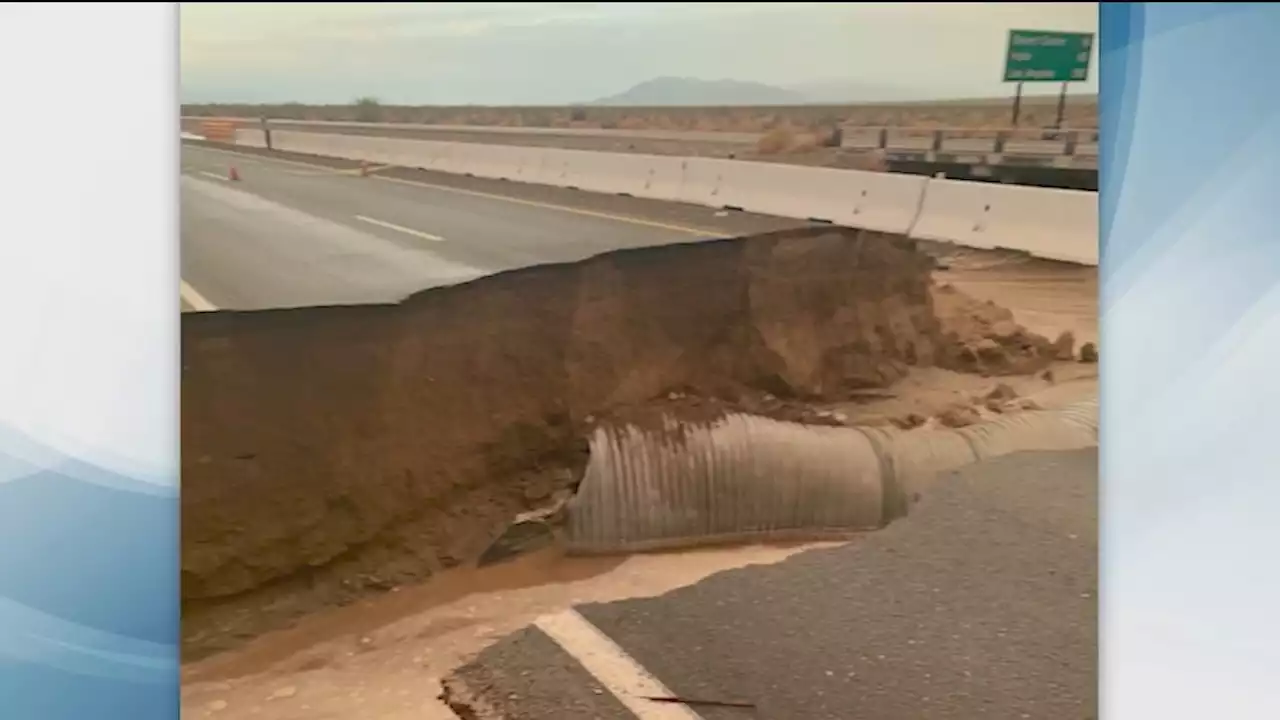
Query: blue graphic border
pixel 89 491
pixel 1190 302
pixel 1190 216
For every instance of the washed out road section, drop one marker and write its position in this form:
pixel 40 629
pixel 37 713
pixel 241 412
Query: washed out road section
pixel 982 603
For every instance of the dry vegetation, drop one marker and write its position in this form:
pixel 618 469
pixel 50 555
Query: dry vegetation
pixel 1082 112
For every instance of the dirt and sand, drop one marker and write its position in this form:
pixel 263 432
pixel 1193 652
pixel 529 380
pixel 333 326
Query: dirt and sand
pixel 334 458
pixel 1037 111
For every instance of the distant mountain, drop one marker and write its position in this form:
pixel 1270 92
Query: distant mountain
pixel 692 91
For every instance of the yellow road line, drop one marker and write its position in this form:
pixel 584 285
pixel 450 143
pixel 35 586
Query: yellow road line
pixel 193 298
pixel 701 232
pixel 339 171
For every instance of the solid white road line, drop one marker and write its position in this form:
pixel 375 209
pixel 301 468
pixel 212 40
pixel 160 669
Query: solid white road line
pixel 613 667
pixel 213 175
pixel 195 299
pixel 399 228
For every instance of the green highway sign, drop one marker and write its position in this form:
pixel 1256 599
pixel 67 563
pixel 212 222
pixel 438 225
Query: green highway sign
pixel 1047 56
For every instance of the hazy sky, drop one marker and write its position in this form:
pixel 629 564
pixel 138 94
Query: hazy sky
pixel 559 53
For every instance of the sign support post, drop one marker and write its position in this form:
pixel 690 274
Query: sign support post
pixel 1062 107
pixel 1017 106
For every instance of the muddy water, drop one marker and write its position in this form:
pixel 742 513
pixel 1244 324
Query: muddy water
pixel 384 657
pixel 371 614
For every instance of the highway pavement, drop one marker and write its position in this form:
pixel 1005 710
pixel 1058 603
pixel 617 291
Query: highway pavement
pixel 982 603
pixel 287 234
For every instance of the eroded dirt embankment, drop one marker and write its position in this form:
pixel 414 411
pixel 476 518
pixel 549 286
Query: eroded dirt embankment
pixel 333 451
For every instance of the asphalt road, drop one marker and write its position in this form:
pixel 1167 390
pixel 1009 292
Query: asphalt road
pixel 983 603
pixel 288 235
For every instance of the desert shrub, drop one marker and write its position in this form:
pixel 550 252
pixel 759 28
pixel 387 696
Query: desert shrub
pixel 368 109
pixel 775 141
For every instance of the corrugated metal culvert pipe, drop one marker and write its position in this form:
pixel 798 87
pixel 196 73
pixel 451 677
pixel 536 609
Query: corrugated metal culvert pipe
pixel 745 478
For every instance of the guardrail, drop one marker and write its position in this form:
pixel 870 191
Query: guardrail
pixel 1014 141
pixel 1034 142
pixel 1054 224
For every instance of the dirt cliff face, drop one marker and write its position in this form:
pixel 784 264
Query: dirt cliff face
pixel 361 447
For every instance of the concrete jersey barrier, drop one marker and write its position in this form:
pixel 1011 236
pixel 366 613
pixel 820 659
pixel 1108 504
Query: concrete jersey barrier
pixel 1048 223
pixel 1054 224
